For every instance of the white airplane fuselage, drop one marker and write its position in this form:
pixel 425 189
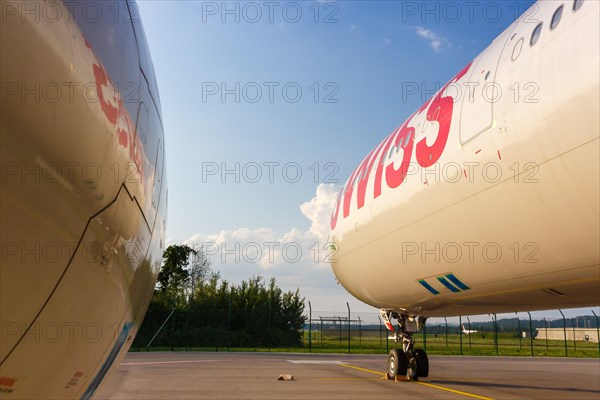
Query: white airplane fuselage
pixel 83 197
pixel 486 199
pixel 468 331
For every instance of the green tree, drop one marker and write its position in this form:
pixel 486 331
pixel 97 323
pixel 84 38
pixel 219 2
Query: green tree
pixel 212 312
pixel 173 274
pixel 199 269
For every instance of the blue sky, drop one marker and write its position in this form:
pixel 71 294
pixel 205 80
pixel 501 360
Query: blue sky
pixel 361 55
pixel 368 54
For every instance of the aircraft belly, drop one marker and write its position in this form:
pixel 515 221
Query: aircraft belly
pixel 512 237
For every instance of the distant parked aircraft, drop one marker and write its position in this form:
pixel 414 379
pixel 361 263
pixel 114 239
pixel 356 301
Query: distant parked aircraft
pixel 467 331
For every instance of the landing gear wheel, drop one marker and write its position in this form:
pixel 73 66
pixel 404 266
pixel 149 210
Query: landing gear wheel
pixel 418 365
pixel 397 363
pixel 422 363
pixel 405 362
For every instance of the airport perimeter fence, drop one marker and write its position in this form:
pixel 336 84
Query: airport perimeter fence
pixel 541 333
pixel 531 334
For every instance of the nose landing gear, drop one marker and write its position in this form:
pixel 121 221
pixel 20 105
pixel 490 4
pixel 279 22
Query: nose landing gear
pixel 406 362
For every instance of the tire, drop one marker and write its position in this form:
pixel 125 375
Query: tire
pixel 422 363
pixel 397 363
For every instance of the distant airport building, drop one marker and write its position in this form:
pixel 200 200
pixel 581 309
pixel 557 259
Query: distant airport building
pixel 583 334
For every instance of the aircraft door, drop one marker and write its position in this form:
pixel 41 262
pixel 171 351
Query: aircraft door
pixel 480 92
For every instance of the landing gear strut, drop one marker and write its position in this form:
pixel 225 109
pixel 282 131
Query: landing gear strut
pixel 406 362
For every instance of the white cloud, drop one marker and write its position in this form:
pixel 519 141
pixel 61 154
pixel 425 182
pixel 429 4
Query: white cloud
pixel 235 256
pixel 318 210
pixel 436 41
pixel 295 258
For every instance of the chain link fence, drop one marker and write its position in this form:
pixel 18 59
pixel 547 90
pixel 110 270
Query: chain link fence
pixel 527 334
pixel 536 334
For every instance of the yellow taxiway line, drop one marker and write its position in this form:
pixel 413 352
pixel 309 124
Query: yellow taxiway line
pixel 362 369
pixel 467 394
pixel 476 396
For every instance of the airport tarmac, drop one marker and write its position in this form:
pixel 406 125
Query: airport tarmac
pixel 237 376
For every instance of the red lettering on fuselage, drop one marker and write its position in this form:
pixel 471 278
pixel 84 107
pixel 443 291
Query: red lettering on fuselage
pixel 116 113
pixel 404 140
pixel 439 109
pixel 106 104
pixel 6 381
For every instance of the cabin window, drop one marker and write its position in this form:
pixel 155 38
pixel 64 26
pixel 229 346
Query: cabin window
pixel 536 34
pixel 556 17
pixel 407 139
pixel 517 49
pixel 577 4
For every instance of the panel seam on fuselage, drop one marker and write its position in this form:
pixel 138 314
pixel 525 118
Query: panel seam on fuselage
pixel 67 268
pixel 460 201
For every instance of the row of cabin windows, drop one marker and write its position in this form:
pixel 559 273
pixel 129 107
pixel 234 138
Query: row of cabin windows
pixel 556 17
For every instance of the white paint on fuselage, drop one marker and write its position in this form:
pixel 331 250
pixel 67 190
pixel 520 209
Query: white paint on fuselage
pixel 542 212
